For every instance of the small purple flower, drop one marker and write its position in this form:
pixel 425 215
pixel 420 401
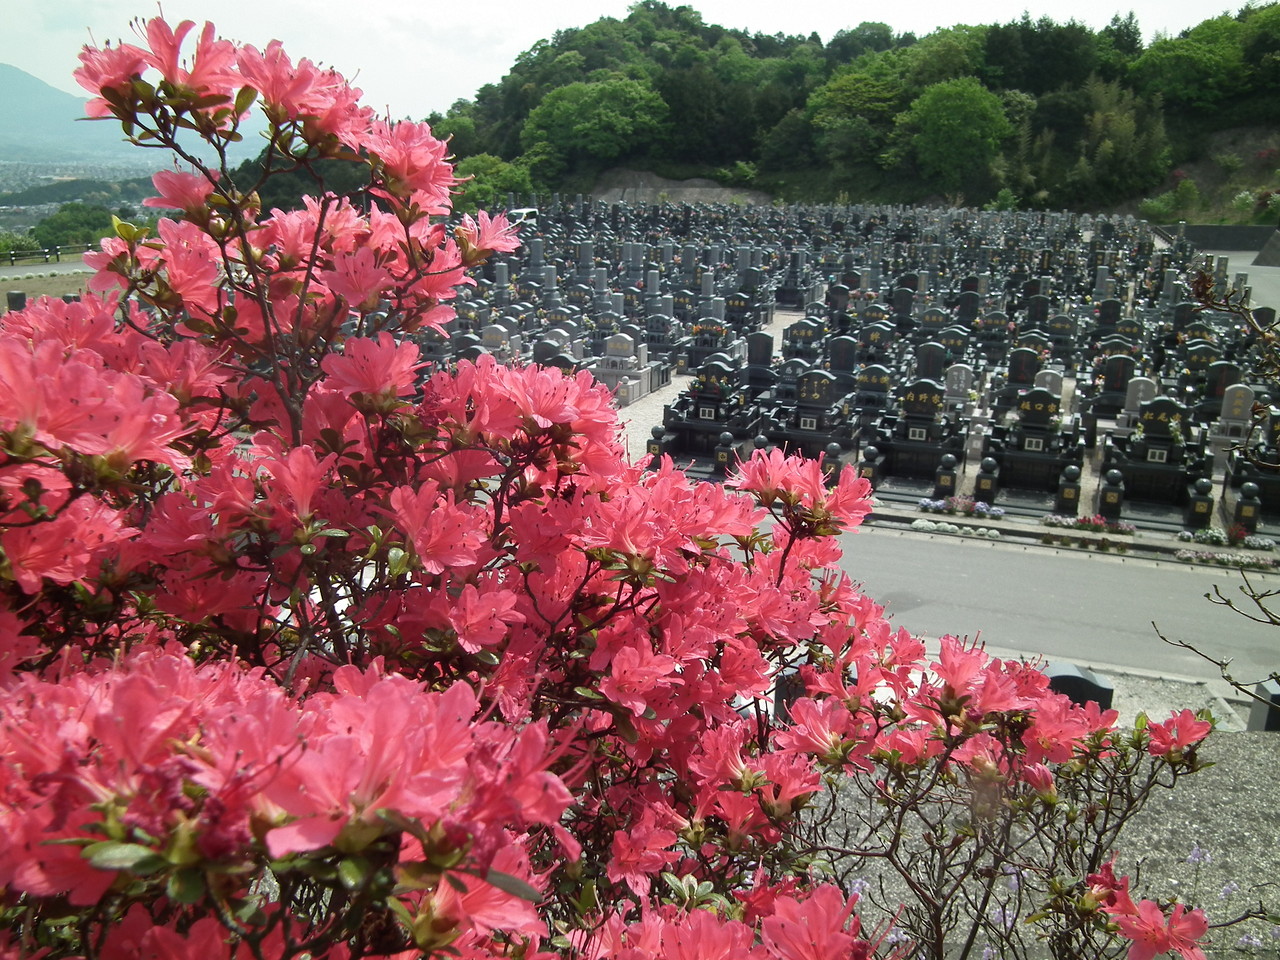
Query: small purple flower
pixel 1002 915
pixel 859 887
pixel 895 936
pixel 1198 855
pixel 1014 875
pixel 1228 890
pixel 1249 942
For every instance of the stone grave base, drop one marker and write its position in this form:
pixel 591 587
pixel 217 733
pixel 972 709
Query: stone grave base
pixel 903 490
pixel 1153 516
pixel 1032 504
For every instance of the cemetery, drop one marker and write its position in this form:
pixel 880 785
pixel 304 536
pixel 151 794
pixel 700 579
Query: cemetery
pixel 1041 362
pixel 334 627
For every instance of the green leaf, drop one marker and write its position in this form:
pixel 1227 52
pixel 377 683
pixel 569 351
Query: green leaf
pixel 513 885
pixel 408 825
pixel 245 98
pixel 587 901
pixel 199 325
pixel 353 872
pixel 456 882
pixel 398 562
pixel 134 857
pixel 588 693
pixel 123 229
pixel 675 883
pixel 626 729
pixel 186 886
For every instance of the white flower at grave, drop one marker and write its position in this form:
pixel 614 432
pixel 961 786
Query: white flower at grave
pixel 993 534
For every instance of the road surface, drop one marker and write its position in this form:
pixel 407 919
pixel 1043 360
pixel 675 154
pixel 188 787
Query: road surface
pixel 1079 606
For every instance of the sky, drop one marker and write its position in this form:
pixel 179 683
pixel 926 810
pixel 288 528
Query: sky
pixel 412 57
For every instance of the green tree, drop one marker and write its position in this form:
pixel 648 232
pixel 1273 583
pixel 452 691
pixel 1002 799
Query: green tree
pixel 1124 144
pixel 853 115
pixel 1199 71
pixel 1004 200
pixel 848 45
pixel 285 190
pixel 12 240
pixel 1007 60
pixel 1261 46
pixel 1039 56
pixel 788 144
pixel 945 55
pixel 1017 163
pixel 856 93
pixel 955 131
pixel 1119 44
pixel 486 182
pixel 596 122
pixel 458 126
pixel 707 122
pixel 74 224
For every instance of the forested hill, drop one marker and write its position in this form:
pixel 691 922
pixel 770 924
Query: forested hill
pixel 1037 113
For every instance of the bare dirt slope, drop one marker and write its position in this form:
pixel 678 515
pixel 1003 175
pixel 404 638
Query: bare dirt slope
pixel 635 186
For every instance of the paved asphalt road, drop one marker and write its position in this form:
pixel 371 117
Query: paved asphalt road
pixel 1082 607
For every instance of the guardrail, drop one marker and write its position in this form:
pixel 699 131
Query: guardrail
pixel 51 255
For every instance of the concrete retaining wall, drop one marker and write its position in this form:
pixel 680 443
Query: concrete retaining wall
pixel 1210 236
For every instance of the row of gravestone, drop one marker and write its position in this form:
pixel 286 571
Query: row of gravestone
pixel 633 256
pixel 831 229
pixel 993 330
pixel 1037 306
pixel 1051 245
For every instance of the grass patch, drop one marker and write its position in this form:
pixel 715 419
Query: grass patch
pixel 43 286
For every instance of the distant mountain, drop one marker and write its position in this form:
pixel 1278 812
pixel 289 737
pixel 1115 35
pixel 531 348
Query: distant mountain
pixel 38 124
pixel 41 124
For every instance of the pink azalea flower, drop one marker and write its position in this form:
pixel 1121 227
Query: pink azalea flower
pixel 636 675
pixel 818 928
pixel 484 236
pixel 108 68
pixel 179 190
pixel 357 278
pixel 1178 733
pixel 383 367
pixel 484 619
pixel 640 853
pixel 1152 934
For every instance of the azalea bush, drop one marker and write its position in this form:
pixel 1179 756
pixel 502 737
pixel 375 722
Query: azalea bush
pixel 310 649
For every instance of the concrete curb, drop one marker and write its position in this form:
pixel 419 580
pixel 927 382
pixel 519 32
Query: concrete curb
pixel 1146 545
